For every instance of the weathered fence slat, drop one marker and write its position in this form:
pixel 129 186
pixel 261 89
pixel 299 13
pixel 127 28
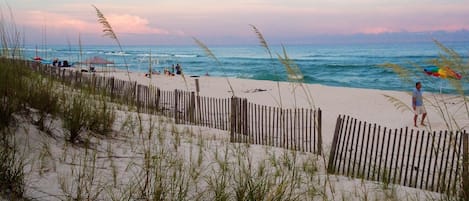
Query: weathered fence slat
pixel 465 167
pixel 426 160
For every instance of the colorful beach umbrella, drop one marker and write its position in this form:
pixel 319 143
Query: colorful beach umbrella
pixel 443 72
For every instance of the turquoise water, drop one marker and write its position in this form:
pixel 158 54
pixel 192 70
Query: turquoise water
pixel 354 65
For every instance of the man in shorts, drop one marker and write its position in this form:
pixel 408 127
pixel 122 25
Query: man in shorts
pixel 417 104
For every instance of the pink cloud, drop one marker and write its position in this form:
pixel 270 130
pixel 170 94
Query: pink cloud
pixel 133 24
pixel 376 30
pixel 225 19
pixel 129 24
pixel 52 21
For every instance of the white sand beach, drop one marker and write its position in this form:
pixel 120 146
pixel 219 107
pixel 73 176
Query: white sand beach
pixel 118 164
pixel 368 105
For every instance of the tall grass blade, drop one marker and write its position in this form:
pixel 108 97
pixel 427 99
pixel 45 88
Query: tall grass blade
pixel 399 104
pixel 293 71
pixel 403 73
pixel 295 76
pixel 109 32
pixel 107 28
pixel 265 45
pixel 210 54
pixel 261 39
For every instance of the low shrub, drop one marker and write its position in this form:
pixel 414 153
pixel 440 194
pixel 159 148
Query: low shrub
pixel 12 180
pixel 12 89
pixel 44 98
pixel 75 115
pixel 83 112
pixel 102 117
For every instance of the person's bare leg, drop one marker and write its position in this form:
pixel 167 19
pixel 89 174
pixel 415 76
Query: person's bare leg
pixel 423 119
pixel 415 120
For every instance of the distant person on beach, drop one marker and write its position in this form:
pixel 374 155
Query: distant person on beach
pixel 55 62
pixel 168 72
pixel 178 69
pixel 65 64
pixel 417 104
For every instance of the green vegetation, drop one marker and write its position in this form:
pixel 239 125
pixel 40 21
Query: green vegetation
pixel 148 158
pixel 43 97
pixel 12 182
pixel 152 158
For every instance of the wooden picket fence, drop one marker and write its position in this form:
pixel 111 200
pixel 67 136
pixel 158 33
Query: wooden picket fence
pixel 435 161
pixel 296 129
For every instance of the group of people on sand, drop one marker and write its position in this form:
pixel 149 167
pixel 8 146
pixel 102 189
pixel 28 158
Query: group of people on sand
pixel 57 63
pixel 173 70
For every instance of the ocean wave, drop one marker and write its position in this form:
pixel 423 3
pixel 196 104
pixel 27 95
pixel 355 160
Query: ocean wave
pixel 154 55
pixel 117 53
pixel 369 56
pixel 349 66
pixel 186 55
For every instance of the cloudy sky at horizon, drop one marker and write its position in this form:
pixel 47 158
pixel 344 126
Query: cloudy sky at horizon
pixel 223 21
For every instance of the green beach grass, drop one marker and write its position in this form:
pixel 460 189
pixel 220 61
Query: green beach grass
pixel 64 142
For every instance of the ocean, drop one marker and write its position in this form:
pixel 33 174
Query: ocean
pixel 352 65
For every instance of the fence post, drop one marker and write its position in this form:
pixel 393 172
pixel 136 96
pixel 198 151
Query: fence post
pixel 76 78
pixel 330 164
pixel 176 116
pixel 134 91
pixel 70 77
pixel 233 119
pixel 79 79
pixel 192 108
pixel 158 94
pixel 319 133
pixel 94 83
pixel 245 118
pixel 112 88
pixel 465 167
pixel 197 88
pixel 137 95
pixel 63 75
pixel 199 111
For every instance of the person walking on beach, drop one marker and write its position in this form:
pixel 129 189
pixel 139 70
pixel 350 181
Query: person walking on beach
pixel 417 104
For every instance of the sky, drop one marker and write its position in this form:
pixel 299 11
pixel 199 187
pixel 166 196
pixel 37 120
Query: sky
pixel 174 22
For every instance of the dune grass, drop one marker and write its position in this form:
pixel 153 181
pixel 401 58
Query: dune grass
pixel 13 183
pixel 210 54
pixel 156 159
pixel 111 154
